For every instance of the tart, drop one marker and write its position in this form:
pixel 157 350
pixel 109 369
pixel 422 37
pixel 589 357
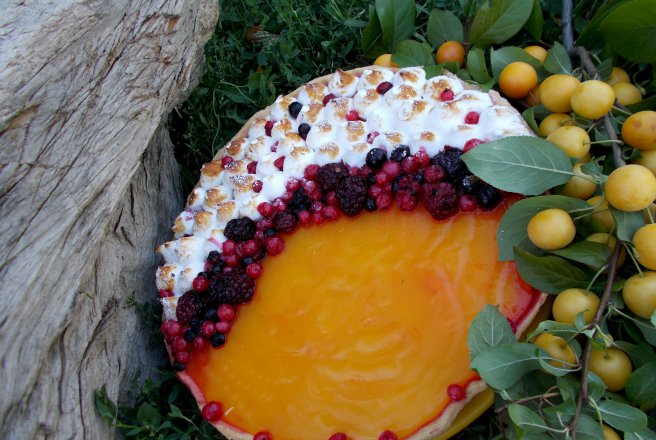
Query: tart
pixel 326 267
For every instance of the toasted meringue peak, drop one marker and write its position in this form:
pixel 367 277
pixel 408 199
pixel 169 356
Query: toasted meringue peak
pixel 398 94
pixel 312 93
pixel 196 198
pixel 280 108
pixel 310 114
pixel 412 76
pixel 343 83
pixel 436 85
pixel 216 195
pixel 237 147
pixel 203 222
pixel 258 147
pixel 370 79
pixel 365 101
pixel 183 224
pixel 336 109
pixel 211 174
pixel 257 128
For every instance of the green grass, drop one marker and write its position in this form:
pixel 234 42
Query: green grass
pixel 297 41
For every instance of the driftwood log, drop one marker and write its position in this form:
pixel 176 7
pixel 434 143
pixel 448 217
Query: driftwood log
pixel 88 187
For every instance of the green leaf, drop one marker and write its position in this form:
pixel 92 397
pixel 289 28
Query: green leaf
pixel 443 26
pixel 640 354
pixel 645 104
pixel 653 319
pixel 104 405
pixel 589 36
pixel 520 164
pixel 627 223
pixel 477 66
pixel 499 59
pixel 596 386
pixel 502 366
pixel 549 274
pixel 499 20
pixel 588 428
pixel 641 386
pixel 487 330
pixel 432 71
pixel 557 60
pixel 413 53
pixel 512 228
pixel 526 419
pixel 535 21
pixel 529 117
pixel 565 331
pixel 647 328
pixel 372 37
pixel 147 414
pixel 622 416
pixel 397 20
pixel 630 30
pixel 586 252
pixel 569 387
pixel 645 434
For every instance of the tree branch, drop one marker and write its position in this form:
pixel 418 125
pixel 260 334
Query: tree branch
pixel 568 34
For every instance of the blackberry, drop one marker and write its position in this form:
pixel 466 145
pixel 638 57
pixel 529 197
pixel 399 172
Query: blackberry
pixel 300 202
pixel 449 161
pixel 370 204
pixel 217 339
pixel 487 196
pixel 234 287
pixel 440 199
pixel 330 175
pixel 470 184
pixel 399 153
pixel 177 366
pixel 240 229
pixel 285 221
pixel 376 157
pixel 352 195
pixel 303 130
pixel 190 305
pixel 294 109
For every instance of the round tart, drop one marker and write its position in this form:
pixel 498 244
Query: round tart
pixel 329 262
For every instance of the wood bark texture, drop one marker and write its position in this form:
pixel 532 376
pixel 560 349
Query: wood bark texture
pixel 88 186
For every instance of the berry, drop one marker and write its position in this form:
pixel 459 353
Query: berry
pixel 392 169
pixel 300 201
pixel 285 221
pixel 406 201
pixel 274 245
pixel 399 153
pixel 422 158
pixel 200 343
pixel 240 229
pixel 200 284
pixel 251 167
pixel 177 366
pixel 179 344
pixel 189 335
pixel 304 217
pixel 447 95
pixel 409 165
pixel 352 195
pixel 268 127
pixel 222 327
pixel 467 203
pixel 330 198
pixel 250 248
pixel 226 312
pixel 207 328
pixel 440 199
pixel 471 144
pixel 338 436
pixel 384 201
pixel 254 270
pixel 376 157
pixel 257 186
pixel 329 97
pixel 382 178
pixel 384 87
pixel 217 339
pixel 318 218
pixel 183 357
pixel 294 109
pixel 352 115
pixel 371 136
pixel 434 174
pixel 234 287
pixel 164 293
pixel 189 306
pixel 225 160
pixel 292 184
pixel 212 411
pixel 263 435
pixel 329 176
pixel 488 196
pixel 472 118
pixel 171 328
pixel 387 435
pixel 303 130
pixel 279 163
pixel 370 204
pixel 310 172
pixel 449 160
pixel 279 205
pixel 470 184
pixel 456 392
pixel 330 213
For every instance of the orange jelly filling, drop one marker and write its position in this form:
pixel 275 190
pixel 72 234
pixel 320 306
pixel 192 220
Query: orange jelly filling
pixel 360 326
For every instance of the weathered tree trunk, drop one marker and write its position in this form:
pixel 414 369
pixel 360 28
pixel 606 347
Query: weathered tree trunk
pixel 88 186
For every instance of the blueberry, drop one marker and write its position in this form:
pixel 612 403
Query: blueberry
pixel 370 204
pixel 376 157
pixel 400 152
pixel 303 130
pixel 269 232
pixel 470 184
pixel 210 314
pixel 294 109
pixel 189 336
pixel 217 339
pixel 177 366
pixel 488 197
